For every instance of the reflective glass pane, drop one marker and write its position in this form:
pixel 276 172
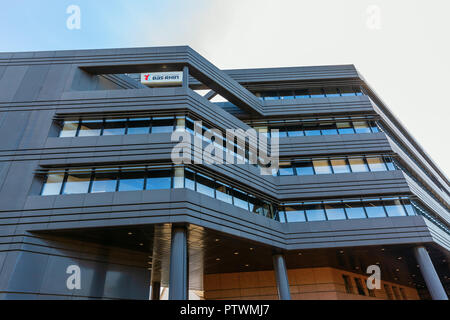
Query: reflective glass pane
pixel 114 127
pixel 159 179
pixel 205 185
pixel 286 169
pixel 258 206
pixel 162 124
pixel 311 129
pixel 240 199
pixel 138 126
pixel 374 127
pixel 90 128
pixel 332 92
pixel 328 128
pixel 358 165
pixel 77 182
pixel 270 95
pixel 361 127
pixel 394 208
pixel 322 167
pixel 295 213
pixel 389 163
pixel 286 94
pixel 69 129
pixel 294 131
pixel 301 93
pixel 104 181
pixel 224 193
pixel 335 210
pixel 347 91
pixel 340 165
pixel 131 179
pixel 408 207
pixel 354 209
pixel 303 168
pixel 189 181
pixel 316 92
pixel 376 164
pixel 314 212
pixel 345 127
pixel 374 208
pixel 52 184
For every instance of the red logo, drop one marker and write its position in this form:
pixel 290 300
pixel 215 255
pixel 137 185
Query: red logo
pixel 146 76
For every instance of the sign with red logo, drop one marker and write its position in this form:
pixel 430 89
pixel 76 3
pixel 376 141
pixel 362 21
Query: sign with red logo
pixel 158 79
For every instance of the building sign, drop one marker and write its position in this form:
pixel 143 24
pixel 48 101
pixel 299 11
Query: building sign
pixel 153 79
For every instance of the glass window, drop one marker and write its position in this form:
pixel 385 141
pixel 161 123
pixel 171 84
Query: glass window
pixel 335 210
pixel 286 94
pixel 189 179
pixel 314 211
pixel 286 169
pixel 69 129
pixel 162 124
pixel 295 213
pixel 328 128
pixel 258 206
pixel 340 165
pixel 294 131
pixel 359 287
pixel 316 92
pixel 409 207
pixel 158 179
pixel 271 95
pixel 358 91
pixel 90 128
pixel 302 93
pixel 354 209
pixel 114 127
pixel 361 127
pixel 240 199
pixel 345 127
pixel 205 185
pixel 374 208
pixel 52 184
pixel 311 129
pixel 389 163
pixel 131 179
pixel 394 208
pixel 104 181
pixel 303 168
pixel 358 165
pixel 77 182
pixel 138 126
pixel 224 193
pixel 332 92
pixel 347 91
pixel 282 133
pixel 376 164
pixel 189 125
pixel 322 166
pixel 374 127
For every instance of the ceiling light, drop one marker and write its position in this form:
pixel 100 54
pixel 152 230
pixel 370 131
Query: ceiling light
pixel 247 265
pixel 399 258
pixel 141 244
pixel 235 253
pixel 342 251
pixel 130 233
pixel 299 253
pixel 217 259
pixel 216 240
pixel 251 249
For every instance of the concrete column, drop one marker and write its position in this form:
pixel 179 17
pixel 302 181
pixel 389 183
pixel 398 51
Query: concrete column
pixel 156 289
pixel 185 77
pixel 279 266
pixel 434 285
pixel 178 278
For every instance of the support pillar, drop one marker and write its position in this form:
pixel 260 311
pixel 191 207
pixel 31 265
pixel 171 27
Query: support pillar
pixel 178 278
pixel 281 277
pixel 429 274
pixel 156 289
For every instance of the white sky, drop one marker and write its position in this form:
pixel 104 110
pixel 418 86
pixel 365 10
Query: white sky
pixel 406 61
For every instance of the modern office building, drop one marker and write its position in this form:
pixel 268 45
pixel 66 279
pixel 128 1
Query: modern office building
pixel 93 207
